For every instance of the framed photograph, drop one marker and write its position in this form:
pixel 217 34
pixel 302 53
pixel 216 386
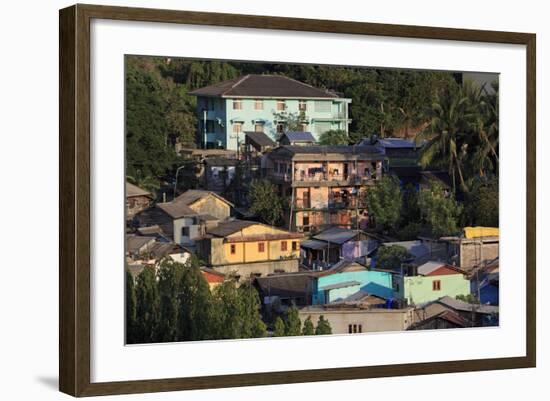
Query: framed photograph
pixel 251 200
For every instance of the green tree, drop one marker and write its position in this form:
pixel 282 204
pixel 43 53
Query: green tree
pixel 169 280
pixel 482 203
pixel 334 137
pixel 308 329
pixel 229 311
pixel 323 326
pixel 440 211
pixel 469 298
pixel 196 318
pixel 384 201
pixel 252 324
pixel 131 304
pixel 291 121
pixel 391 257
pixel 147 306
pixel 279 327
pixel 293 323
pixel 265 202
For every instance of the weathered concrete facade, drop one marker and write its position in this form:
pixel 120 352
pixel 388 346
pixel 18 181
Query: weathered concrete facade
pixel 347 321
pixel 471 252
pixel 250 270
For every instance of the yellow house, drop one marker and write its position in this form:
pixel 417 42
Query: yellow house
pixel 250 249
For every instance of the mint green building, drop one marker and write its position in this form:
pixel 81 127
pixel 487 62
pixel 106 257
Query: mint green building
pixel 434 280
pixel 262 103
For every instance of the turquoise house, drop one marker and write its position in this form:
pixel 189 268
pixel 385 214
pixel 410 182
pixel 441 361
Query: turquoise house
pixel 263 103
pixel 347 278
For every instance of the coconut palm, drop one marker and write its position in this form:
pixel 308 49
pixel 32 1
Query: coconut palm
pixel 449 122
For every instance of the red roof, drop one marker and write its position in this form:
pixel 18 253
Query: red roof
pixel 444 270
pixel 213 277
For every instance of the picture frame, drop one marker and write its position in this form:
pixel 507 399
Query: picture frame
pixel 75 337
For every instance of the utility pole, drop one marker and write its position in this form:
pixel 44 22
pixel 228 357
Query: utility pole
pixel 176 181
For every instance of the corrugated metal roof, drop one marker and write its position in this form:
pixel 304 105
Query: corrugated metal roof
pixel 226 228
pixel 337 235
pixel 343 284
pixel 313 244
pixel 466 307
pixel 260 139
pixel 297 136
pixel 134 190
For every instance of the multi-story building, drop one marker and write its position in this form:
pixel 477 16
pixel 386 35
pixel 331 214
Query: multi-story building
pixel 326 185
pixel 265 103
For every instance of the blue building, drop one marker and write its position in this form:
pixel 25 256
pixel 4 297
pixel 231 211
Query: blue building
pixel 265 103
pixel 348 278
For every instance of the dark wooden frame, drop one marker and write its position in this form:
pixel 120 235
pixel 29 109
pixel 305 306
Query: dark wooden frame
pixel 74 204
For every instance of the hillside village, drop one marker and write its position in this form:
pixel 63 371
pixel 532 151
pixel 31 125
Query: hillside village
pixel 276 205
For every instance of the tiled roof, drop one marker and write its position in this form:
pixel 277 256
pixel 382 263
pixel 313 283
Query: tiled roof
pixel 271 86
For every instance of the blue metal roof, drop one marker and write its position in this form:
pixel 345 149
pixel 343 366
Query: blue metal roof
pixel 297 136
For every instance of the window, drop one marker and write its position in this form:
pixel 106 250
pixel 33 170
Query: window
pixel 323 106
pixel 280 128
pixel 355 328
pixel 359 328
pixel 350 329
pixel 303 127
pixel 321 127
pixel 258 104
pixel 436 285
pixel 185 232
pixel 302 105
pixel 281 106
pixel 237 128
pixel 261 247
pixel 233 249
pixel 237 104
pixel 283 245
pixel 259 127
pixel 294 245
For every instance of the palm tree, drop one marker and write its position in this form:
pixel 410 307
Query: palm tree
pixel 485 159
pixel 148 183
pixel 444 146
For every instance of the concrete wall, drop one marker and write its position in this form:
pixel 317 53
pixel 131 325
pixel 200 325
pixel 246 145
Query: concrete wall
pixel 246 270
pixel 222 111
pixel 194 231
pixel 371 320
pixel 213 206
pixel 475 251
pixel 419 289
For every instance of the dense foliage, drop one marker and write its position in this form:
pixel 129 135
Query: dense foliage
pixel 391 257
pixel 176 304
pixel 265 202
pixel 384 201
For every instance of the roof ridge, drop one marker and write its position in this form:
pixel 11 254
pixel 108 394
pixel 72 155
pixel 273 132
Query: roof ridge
pixel 240 81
